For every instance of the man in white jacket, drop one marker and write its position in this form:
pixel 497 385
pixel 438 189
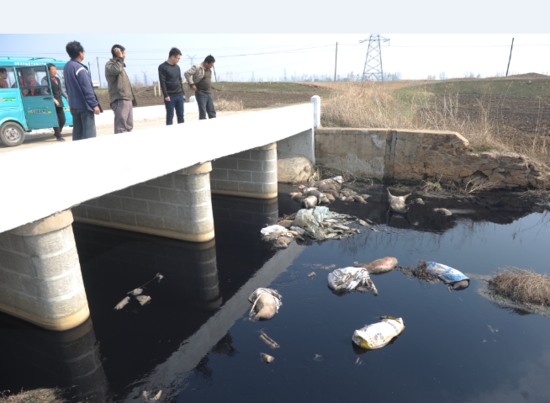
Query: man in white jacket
pixel 199 78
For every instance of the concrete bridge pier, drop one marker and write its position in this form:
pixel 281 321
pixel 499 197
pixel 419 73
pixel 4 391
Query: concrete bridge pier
pixel 251 173
pixel 177 205
pixel 41 281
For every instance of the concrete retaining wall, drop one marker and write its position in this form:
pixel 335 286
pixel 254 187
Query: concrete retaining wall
pixel 415 156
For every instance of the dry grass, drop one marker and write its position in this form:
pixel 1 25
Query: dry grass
pixel 523 286
pixel 372 105
pixel 225 105
pixel 33 396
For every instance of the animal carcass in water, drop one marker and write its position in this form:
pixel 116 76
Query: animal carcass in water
pixel 349 279
pixel 398 203
pixel 379 266
pixel 265 303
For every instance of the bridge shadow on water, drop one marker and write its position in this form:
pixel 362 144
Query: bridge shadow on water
pixel 117 354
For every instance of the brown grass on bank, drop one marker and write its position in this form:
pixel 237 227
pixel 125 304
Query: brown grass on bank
pixel 372 105
pixel 523 286
pixel 225 105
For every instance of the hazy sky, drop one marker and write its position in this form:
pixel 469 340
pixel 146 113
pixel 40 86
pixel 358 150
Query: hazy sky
pixel 291 40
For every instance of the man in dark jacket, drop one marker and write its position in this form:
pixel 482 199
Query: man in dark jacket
pixel 171 85
pixel 82 98
pixel 121 93
pixel 57 92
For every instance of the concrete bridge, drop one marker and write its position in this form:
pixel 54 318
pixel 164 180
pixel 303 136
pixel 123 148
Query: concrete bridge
pixel 157 181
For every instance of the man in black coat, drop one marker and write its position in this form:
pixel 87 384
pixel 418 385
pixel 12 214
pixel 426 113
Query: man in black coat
pixel 57 93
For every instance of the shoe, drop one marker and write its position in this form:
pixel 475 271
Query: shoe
pixel 60 139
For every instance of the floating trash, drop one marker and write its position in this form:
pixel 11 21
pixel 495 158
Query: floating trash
pixel 433 271
pixel 454 278
pixel 265 303
pixel 137 292
pixel 378 335
pixel 267 358
pixel 379 266
pixel 268 340
pixel 349 279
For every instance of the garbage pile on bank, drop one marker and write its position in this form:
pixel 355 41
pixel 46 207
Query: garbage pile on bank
pixel 326 191
pixel 317 223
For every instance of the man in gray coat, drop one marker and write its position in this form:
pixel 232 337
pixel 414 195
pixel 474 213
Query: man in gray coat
pixel 121 93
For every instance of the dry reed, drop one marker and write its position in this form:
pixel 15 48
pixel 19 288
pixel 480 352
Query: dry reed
pixel 520 285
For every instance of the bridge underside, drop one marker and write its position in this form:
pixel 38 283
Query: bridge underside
pixel 39 263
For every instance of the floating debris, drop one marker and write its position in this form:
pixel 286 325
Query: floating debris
pixel 122 303
pixel 317 223
pixel 433 272
pixel 443 211
pixel 398 204
pixel 268 340
pixel 143 299
pixel 265 303
pixel 311 274
pixel 455 279
pixel 267 358
pixel 137 294
pixel 136 291
pixel 379 266
pixel 378 335
pixel 349 279
pixel 148 398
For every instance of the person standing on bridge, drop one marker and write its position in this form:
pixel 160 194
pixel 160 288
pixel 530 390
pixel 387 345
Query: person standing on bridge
pixel 58 92
pixel 199 78
pixel 171 85
pixel 82 98
pixel 121 93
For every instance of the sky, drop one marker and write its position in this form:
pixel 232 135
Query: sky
pixel 253 41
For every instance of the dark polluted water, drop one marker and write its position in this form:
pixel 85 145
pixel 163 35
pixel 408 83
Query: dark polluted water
pixel 194 342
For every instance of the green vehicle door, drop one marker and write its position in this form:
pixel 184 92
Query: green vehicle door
pixel 38 105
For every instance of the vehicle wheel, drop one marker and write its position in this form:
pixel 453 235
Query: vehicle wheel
pixel 11 134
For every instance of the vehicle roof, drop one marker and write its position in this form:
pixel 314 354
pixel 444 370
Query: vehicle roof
pixel 15 61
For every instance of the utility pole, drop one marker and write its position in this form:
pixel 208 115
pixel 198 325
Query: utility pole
pixel 335 61
pixel 373 62
pixel 98 70
pixel 510 57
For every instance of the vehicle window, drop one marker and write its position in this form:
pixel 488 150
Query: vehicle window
pixel 30 80
pixel 7 78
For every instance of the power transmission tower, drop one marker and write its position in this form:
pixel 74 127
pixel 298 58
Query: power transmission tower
pixel 373 62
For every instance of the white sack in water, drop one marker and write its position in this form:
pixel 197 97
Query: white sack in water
pixel 377 335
